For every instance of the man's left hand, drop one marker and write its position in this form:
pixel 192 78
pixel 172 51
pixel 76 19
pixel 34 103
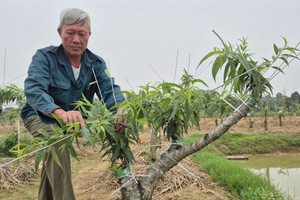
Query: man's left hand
pixel 120 124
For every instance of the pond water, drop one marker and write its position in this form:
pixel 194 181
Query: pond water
pixel 281 170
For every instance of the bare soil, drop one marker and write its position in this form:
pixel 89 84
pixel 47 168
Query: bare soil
pixel 92 180
pixel 290 125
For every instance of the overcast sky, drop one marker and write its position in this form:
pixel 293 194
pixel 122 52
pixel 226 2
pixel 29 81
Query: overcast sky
pixel 138 38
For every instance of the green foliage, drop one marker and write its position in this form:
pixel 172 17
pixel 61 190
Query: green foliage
pixel 6 143
pixel 10 116
pixel 11 93
pixel 237 143
pixel 241 73
pixel 100 129
pixel 168 106
pixel 9 141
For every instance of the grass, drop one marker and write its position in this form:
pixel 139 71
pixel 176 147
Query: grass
pixel 238 179
pixel 237 143
pixel 28 192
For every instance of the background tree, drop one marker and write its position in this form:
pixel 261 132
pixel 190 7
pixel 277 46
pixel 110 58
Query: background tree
pixel 10 93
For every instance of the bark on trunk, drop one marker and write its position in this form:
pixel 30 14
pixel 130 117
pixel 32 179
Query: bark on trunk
pixel 175 154
pixel 155 140
pixel 130 189
pixel 251 122
pixel 216 122
pixel 280 120
pixel 266 120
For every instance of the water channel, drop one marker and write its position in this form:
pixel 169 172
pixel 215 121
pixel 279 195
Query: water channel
pixel 281 170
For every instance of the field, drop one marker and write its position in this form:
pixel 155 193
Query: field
pixel 92 179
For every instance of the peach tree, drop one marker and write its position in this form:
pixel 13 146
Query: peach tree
pixel 172 108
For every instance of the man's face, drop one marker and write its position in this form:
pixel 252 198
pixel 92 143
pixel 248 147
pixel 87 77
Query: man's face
pixel 75 39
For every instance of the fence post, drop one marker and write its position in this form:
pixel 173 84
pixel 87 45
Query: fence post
pixel 18 132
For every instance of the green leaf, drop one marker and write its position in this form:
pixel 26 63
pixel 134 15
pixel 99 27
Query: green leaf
pixel 55 157
pixel 44 133
pixel 38 158
pixel 217 65
pixel 13 149
pixel 59 120
pixel 225 75
pixel 275 49
pixel 285 41
pixel 116 151
pixel 71 149
pixel 206 57
pixel 122 143
pixel 284 60
pixel 233 67
pixel 129 156
pixel 187 110
pixel 87 135
pixel 199 81
pixel 278 69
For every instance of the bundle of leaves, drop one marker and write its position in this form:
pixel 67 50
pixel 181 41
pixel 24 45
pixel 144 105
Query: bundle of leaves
pixel 100 129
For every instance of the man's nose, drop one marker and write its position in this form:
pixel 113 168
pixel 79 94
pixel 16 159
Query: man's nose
pixel 76 38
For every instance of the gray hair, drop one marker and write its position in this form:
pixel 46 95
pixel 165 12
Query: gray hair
pixel 71 16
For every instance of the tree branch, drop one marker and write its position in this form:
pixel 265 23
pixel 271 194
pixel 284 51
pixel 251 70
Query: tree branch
pixel 177 153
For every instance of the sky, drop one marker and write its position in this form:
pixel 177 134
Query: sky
pixel 145 41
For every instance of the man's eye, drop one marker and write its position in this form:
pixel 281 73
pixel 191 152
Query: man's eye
pixel 82 35
pixel 70 33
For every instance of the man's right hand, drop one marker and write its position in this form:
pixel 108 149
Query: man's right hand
pixel 69 117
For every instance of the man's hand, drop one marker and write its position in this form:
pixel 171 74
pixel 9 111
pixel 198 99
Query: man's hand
pixel 70 117
pixel 120 124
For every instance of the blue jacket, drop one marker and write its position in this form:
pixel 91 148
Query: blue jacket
pixel 50 83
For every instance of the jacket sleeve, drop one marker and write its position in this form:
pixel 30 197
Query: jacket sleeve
pixel 110 92
pixel 37 83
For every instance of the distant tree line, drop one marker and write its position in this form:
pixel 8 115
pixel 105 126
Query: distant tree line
pixel 280 103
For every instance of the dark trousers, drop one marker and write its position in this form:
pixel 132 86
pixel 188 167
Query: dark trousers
pixel 56 183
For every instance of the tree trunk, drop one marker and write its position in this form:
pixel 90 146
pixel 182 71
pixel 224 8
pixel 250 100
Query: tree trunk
pixel 266 120
pixel 145 187
pixel 155 140
pixel 131 190
pixel 216 122
pixel 251 122
pixel 280 120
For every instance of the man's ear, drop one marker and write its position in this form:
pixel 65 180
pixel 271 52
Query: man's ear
pixel 59 31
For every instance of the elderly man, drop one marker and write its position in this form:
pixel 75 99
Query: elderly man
pixel 57 77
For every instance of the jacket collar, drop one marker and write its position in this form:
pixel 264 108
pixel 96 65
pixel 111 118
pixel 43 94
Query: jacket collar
pixel 87 57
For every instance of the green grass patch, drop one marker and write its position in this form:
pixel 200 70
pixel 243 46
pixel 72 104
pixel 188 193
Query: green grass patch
pixel 241 181
pixel 238 179
pixel 237 143
pixel 29 192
